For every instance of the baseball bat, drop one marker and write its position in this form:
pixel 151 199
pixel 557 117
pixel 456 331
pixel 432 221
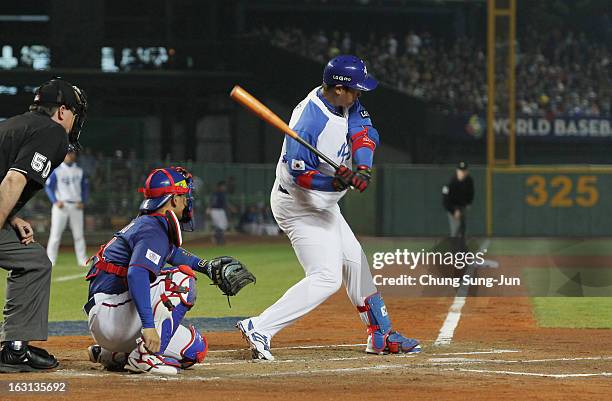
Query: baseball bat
pixel 260 110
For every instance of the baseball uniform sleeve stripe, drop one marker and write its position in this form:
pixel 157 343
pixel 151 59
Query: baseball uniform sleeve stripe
pixel 19 170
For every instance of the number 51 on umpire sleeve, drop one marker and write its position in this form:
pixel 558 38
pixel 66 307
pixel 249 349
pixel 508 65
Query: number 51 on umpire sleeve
pixel 558 191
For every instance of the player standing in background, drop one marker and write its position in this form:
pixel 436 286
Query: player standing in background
pixel 304 202
pixel 32 145
pixel 136 305
pixel 218 212
pixel 457 196
pixel 67 188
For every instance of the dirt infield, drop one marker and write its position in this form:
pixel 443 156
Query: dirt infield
pixel 497 353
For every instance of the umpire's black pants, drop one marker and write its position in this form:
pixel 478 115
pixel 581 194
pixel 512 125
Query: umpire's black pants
pixel 26 310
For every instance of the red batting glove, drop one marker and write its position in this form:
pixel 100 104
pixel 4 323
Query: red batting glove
pixel 361 178
pixel 342 178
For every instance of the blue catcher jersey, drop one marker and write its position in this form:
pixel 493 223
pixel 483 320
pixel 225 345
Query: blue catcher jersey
pixel 144 243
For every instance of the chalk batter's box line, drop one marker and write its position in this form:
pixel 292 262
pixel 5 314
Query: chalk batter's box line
pixel 380 367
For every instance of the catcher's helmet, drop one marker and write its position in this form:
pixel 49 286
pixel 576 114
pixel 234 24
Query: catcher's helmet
pixel 61 93
pixel 350 71
pixel 161 185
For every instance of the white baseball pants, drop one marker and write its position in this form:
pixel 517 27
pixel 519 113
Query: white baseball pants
pixel 330 255
pixel 219 219
pixel 115 325
pixel 59 217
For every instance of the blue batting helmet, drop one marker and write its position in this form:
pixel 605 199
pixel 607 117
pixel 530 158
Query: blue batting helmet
pixel 161 185
pixel 350 71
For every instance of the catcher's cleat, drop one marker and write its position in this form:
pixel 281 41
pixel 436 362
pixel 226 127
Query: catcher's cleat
pixel 258 343
pixel 141 361
pixel 396 344
pixel 112 361
pixel 94 352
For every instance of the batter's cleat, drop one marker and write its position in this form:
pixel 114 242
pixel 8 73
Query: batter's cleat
pixel 141 361
pixel 258 343
pixel 396 344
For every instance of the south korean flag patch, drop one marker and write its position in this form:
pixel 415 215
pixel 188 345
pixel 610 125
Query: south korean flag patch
pixel 298 165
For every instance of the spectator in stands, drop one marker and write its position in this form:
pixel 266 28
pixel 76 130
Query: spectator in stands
pixel 250 221
pixel 568 69
pixel 413 43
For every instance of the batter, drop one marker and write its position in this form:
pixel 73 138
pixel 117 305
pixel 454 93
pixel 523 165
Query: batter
pixel 304 201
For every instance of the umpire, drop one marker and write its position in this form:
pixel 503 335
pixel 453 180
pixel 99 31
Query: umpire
pixel 31 146
pixel 457 196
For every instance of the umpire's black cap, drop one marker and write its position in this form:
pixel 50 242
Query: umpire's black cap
pixel 462 165
pixel 58 92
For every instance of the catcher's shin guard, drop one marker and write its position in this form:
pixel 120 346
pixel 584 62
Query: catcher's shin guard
pixel 188 346
pixel 381 339
pixel 175 301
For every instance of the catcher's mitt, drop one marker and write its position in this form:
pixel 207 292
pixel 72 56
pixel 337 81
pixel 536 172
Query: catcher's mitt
pixel 229 274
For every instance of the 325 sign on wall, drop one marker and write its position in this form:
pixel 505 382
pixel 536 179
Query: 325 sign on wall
pixel 561 191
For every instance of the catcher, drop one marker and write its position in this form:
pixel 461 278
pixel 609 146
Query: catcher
pixel 136 305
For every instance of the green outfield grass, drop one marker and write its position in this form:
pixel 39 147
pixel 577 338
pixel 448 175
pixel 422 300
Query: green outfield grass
pixel 277 268
pixel 571 297
pixel 549 246
pixel 590 312
pixel 274 265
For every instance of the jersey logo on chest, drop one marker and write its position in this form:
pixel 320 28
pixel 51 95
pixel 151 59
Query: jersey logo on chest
pixel 344 153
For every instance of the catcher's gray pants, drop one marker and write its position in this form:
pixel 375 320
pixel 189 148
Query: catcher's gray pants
pixel 28 285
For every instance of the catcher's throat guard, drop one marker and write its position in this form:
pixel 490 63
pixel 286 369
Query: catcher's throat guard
pixel 174 229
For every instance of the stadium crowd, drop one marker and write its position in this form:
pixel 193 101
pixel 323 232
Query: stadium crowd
pixel 114 201
pixel 558 73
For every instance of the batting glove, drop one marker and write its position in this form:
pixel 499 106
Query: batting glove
pixel 342 178
pixel 361 178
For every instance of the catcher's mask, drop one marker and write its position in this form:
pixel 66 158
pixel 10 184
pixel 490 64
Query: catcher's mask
pixel 161 185
pixel 61 93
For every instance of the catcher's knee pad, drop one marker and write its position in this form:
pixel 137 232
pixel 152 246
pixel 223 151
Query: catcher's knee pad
pixel 179 287
pixel 177 298
pixel 195 350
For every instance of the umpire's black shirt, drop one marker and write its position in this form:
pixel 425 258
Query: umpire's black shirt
pixel 34 145
pixel 458 194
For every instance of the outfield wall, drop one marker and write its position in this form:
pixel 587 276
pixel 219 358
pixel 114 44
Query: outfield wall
pixel 525 201
pixel 402 200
